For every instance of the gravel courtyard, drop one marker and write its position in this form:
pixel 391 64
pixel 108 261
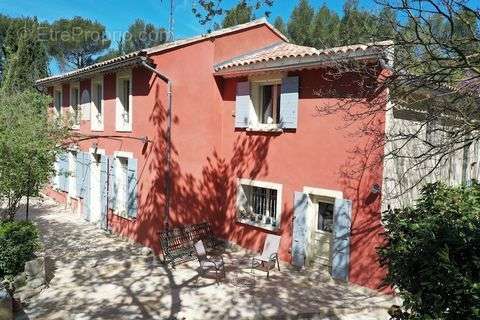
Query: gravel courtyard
pixel 97 275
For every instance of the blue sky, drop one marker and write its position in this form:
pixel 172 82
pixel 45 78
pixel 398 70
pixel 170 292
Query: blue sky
pixel 117 15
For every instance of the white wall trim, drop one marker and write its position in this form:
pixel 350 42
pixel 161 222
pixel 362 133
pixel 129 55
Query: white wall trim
pixel 118 105
pixel 123 154
pixel 55 90
pixel 75 85
pixel 323 192
pixel 96 125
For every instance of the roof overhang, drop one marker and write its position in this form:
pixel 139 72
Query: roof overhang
pixel 300 63
pixel 125 61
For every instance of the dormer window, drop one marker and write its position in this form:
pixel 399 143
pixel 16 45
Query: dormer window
pixel 124 103
pixel 75 105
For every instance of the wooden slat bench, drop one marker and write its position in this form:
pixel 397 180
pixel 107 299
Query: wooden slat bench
pixel 177 243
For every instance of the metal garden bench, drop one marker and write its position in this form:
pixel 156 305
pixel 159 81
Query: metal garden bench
pixel 178 243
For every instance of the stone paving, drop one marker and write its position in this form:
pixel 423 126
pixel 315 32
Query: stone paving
pixel 97 275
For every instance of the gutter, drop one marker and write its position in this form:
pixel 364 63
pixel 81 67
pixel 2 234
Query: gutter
pixel 168 174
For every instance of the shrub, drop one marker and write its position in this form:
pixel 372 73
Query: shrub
pixel 432 253
pixel 18 243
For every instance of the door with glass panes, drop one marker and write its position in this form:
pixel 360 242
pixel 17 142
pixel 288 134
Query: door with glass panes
pixel 319 234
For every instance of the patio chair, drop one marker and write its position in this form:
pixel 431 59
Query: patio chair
pixel 209 262
pixel 269 256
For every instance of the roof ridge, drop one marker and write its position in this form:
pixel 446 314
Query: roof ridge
pixel 243 55
pixel 174 44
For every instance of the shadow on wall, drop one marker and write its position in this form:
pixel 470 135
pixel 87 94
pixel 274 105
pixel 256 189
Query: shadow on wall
pixel 360 99
pixel 208 197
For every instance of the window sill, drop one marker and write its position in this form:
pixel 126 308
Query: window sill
pixel 97 129
pixel 76 127
pixel 265 128
pixel 123 130
pixel 259 225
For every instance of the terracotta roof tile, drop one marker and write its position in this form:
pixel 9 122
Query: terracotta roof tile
pixel 284 50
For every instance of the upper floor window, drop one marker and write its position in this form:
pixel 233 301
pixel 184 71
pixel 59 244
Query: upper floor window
pixel 266 101
pixel 75 104
pixel 57 101
pixel 97 105
pixel 269 103
pixel 124 102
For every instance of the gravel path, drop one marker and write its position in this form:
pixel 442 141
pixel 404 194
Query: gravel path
pixel 100 276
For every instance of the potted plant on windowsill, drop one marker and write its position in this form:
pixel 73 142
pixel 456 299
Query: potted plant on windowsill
pixel 274 222
pixel 268 220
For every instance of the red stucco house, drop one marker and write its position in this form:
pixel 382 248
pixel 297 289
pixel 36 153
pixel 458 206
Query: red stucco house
pixel 227 128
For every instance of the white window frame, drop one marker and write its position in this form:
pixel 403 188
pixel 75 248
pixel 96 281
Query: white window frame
pixel 321 195
pixel 256 82
pixel 117 156
pixel 74 86
pixel 241 182
pixel 57 89
pixel 120 124
pixel 97 124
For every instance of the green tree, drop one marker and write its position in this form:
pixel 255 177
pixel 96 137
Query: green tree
pixel 29 142
pixel 142 35
pixel 241 13
pixel 26 58
pixel 300 23
pixel 325 29
pixel 75 42
pixel 357 26
pixel 432 253
pixel 280 25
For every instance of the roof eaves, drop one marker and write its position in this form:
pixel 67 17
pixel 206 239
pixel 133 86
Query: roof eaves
pixel 336 53
pixel 112 64
pixel 295 63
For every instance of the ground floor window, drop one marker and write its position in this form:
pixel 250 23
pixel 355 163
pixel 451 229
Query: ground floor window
pixel 259 203
pixel 325 216
pixel 121 186
pixel 72 174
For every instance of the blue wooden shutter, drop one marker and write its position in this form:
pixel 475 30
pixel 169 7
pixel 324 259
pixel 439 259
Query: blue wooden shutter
pixel 289 103
pixel 132 188
pixel 103 188
pixel 342 216
pixel 86 193
pixel 56 177
pixel 64 172
pixel 299 228
pixel 113 184
pixel 242 105
pixel 79 173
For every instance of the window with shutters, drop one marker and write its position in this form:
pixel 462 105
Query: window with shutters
pixel 75 105
pixel 97 105
pixel 325 215
pixel 259 203
pixel 121 186
pixel 72 172
pixel 124 102
pixel 57 101
pixel 266 101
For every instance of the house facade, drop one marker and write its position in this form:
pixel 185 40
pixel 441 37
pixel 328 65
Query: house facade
pixel 232 128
